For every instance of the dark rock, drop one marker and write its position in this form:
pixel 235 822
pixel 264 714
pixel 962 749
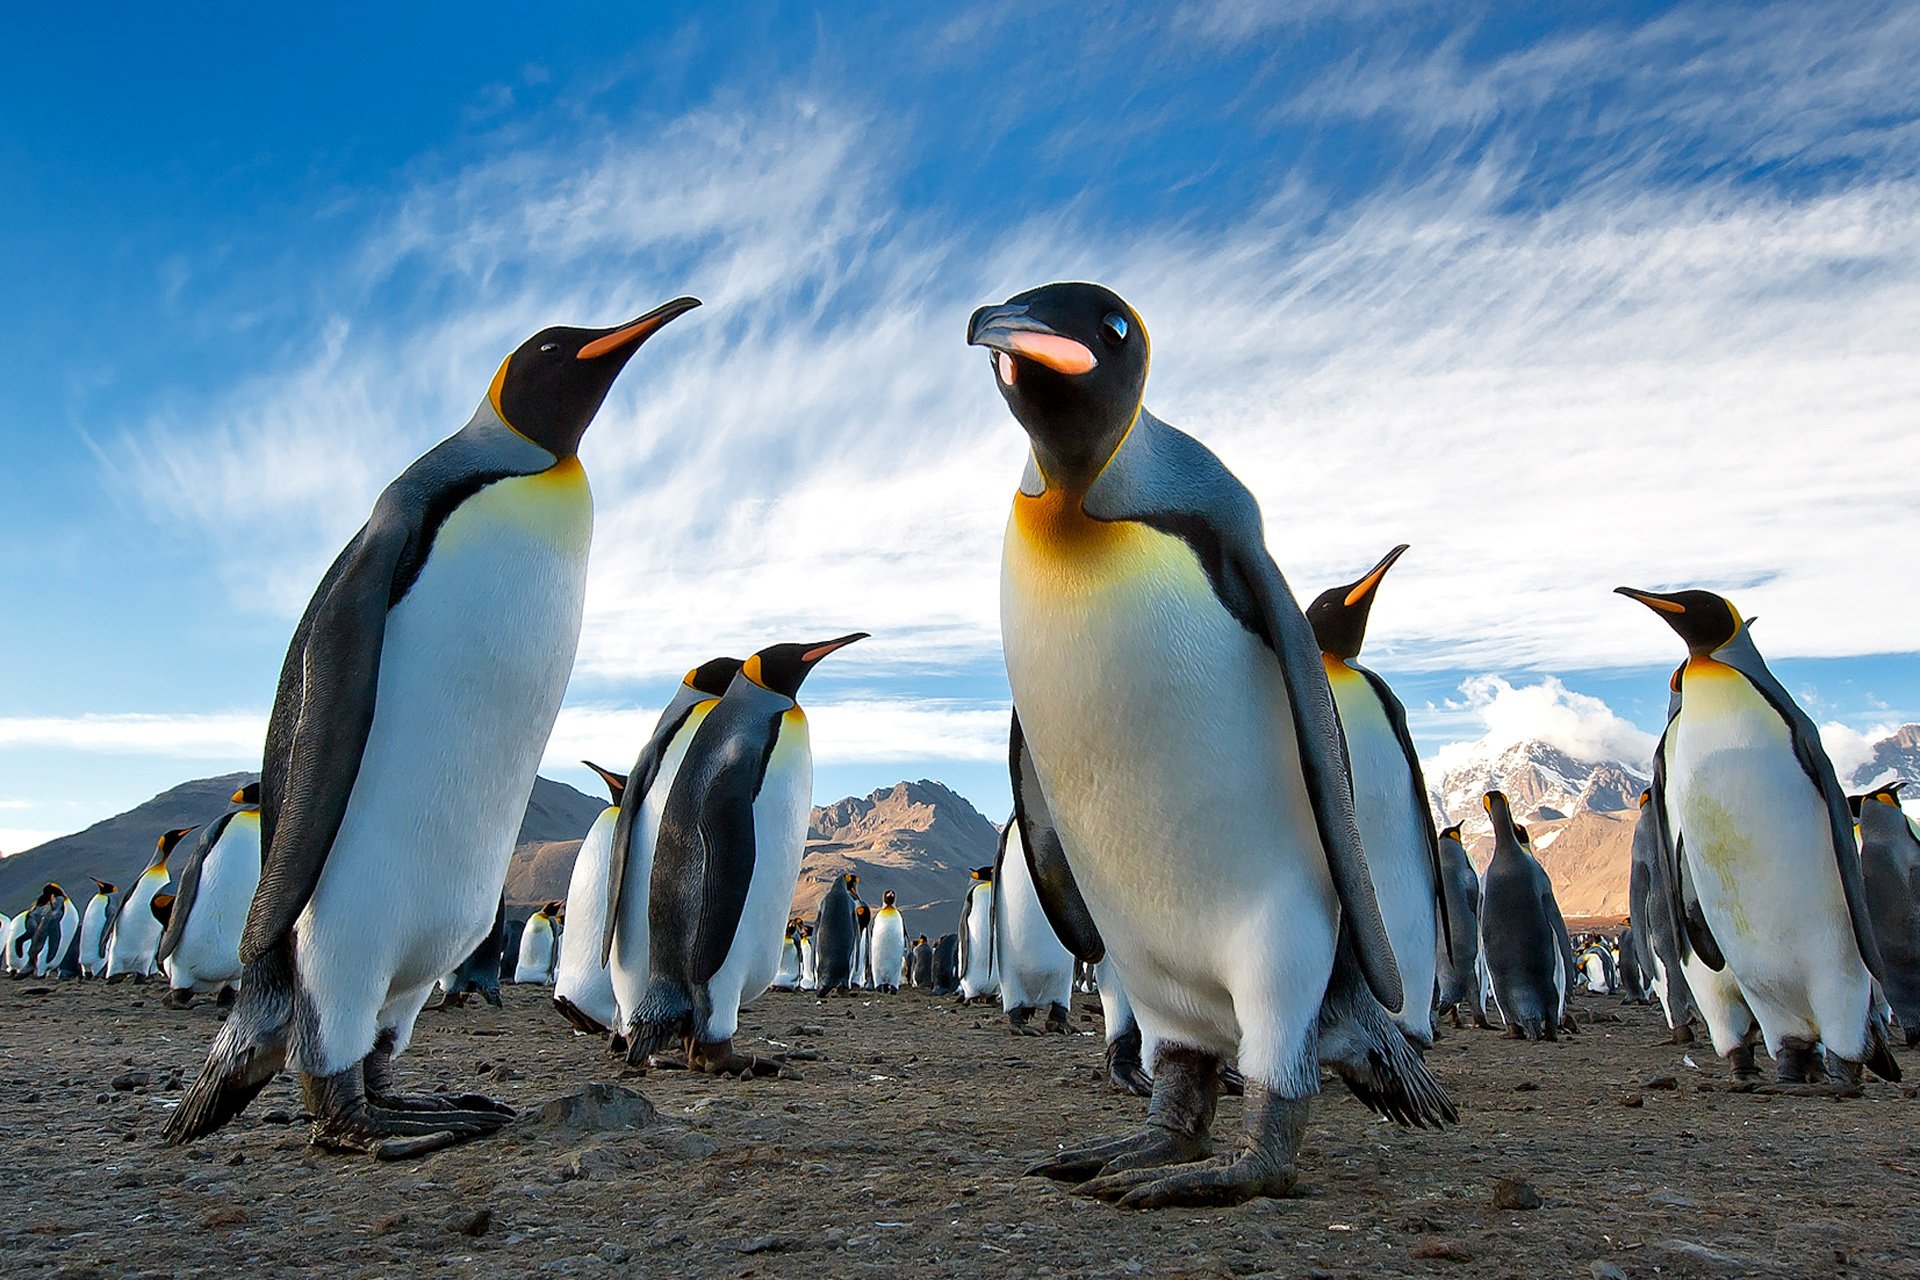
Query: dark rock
pixel 237 1158
pixel 1515 1193
pixel 1606 1271
pixel 1443 1250
pixel 1660 1082
pixel 1633 1100
pixel 226 1215
pixel 474 1223
pixel 765 1244
pixel 806 1029
pixel 127 1081
pixel 275 1116
pixel 504 1072
pixel 598 1106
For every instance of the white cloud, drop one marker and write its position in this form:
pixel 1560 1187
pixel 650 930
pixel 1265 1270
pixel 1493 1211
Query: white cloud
pixel 1850 748
pixel 228 736
pixel 1582 726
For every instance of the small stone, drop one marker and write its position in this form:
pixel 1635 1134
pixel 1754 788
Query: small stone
pixel 806 1029
pixel 1606 1271
pixel 1515 1193
pixel 237 1158
pixel 475 1223
pixel 1698 1255
pixel 1660 1082
pixel 226 1215
pixel 1633 1100
pixel 504 1072
pixel 618 1253
pixel 1526 1086
pixel 598 1106
pixel 388 1225
pixel 127 1081
pixel 1672 1199
pixel 1443 1250
pixel 764 1244
pixel 275 1116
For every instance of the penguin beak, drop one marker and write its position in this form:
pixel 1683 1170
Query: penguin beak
pixel 630 335
pixel 826 647
pixel 1364 589
pixel 1654 600
pixel 616 782
pixel 1011 332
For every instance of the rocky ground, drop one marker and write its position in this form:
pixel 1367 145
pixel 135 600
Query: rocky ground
pixel 899 1154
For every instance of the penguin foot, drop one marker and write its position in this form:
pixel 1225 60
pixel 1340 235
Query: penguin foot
pixel 1796 1063
pixel 720 1058
pixel 176 998
pixel 1059 1020
pixel 1263 1167
pixel 344 1120
pixel 440 1103
pixel 1151 1148
pixel 1232 1083
pixel 1125 1074
pixel 1682 1034
pixel 1186 1085
pixel 1020 1023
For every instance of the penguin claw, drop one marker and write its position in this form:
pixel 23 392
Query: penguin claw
pixel 1146 1149
pixel 1205 1184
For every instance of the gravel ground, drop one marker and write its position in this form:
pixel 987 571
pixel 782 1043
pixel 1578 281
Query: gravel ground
pixel 899 1154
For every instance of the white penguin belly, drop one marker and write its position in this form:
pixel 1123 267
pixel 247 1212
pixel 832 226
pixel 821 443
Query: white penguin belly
pixel 889 946
pixel 1162 734
pixel 580 978
pixel 1035 968
pixel 93 937
pixel 474 665
pixel 978 980
pixel 1759 849
pixel 534 964
pixel 208 956
pixel 1387 802
pixel 136 934
pixel 780 815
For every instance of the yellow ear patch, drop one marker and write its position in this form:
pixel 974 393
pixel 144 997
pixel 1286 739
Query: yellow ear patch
pixel 751 670
pixel 493 391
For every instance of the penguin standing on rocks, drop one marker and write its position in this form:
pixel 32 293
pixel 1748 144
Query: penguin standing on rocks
pixel 93 928
pixel 200 949
pixel 725 862
pixel 977 977
pixel 887 945
pixel 582 984
pixel 920 964
pixel 624 943
pixel 418 693
pixel 133 935
pixel 862 951
pixel 1389 795
pixel 1760 830
pixel 836 935
pixel 1126 1050
pixel 1458 965
pixel 1890 872
pixel 1034 967
pixel 1525 957
pixel 1177 758
pixel 539 947
pixel 946 965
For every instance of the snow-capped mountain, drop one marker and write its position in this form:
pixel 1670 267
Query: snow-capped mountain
pixel 1541 782
pixel 1894 756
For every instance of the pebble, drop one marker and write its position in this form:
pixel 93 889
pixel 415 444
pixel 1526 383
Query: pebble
pixel 127 1081
pixel 1443 1250
pixel 1660 1082
pixel 1606 1271
pixel 1515 1193
pixel 1698 1255
pixel 475 1223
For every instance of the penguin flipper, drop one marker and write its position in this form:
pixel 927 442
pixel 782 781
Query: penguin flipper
pixel 640 781
pixel 190 887
pixel 1397 719
pixel 1167 480
pixel 702 866
pixel 1053 881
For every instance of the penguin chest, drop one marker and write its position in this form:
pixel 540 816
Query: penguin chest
pixel 1753 825
pixel 473 665
pixel 1389 801
pixel 780 813
pixel 1161 731
pixel 210 943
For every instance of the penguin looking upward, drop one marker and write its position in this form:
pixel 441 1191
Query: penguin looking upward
pixel 1765 844
pixel 1458 967
pixel 200 949
pixel 1525 957
pixel 582 985
pixel 419 690
pixel 1176 757
pixel 624 938
pixel 1389 794
pixel 728 852
pixel 1890 873
pixel 93 928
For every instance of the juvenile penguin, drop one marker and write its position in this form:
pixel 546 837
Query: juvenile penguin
pixel 200 949
pixel 836 935
pixel 1765 844
pixel 1890 872
pixel 978 980
pixel 133 935
pixel 1525 958
pixel 582 984
pixel 93 928
pixel 1034 967
pixel 1177 758
pixel 887 945
pixel 1389 795
pixel 539 946
pixel 725 862
pixel 625 940
pixel 920 964
pixel 787 977
pixel 418 693
pixel 1458 966
pixel 946 965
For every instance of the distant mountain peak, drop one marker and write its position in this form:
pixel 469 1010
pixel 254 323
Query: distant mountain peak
pixel 1895 756
pixel 920 806
pixel 1541 781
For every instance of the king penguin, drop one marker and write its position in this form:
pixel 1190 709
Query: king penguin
pixel 53 932
pixel 787 976
pixel 624 939
pixel 978 980
pixel 1765 845
pixel 539 947
pixel 480 973
pixel 887 946
pixel 725 862
pixel 133 935
pixel 1890 872
pixel 582 984
pixel 418 693
pixel 1656 935
pixel 1034 967
pixel 920 964
pixel 862 952
pixel 1389 794
pixel 1458 965
pixel 93 928
pixel 1176 757
pixel 200 949
pixel 1525 957
pixel 836 935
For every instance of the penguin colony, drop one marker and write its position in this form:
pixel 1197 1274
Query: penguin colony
pixel 1186 743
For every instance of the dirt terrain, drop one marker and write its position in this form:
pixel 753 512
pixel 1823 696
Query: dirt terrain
pixel 899 1154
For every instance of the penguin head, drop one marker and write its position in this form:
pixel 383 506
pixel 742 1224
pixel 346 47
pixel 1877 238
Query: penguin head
pixel 852 881
pixel 712 676
pixel 1452 833
pixel 616 782
pixel 1339 614
pixel 247 797
pixel 781 668
pixel 1502 815
pixel 983 875
pixel 1704 620
pixel 550 388
pixel 886 899
pixel 553 911
pixel 1646 796
pixel 102 885
pixel 864 914
pixel 1071 361
pixel 48 892
pixel 1887 795
pixel 164 846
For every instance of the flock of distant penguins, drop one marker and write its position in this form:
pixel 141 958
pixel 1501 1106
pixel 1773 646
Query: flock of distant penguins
pixel 1187 745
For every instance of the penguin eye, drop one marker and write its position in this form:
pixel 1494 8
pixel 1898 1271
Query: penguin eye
pixel 1114 329
pixel 549 346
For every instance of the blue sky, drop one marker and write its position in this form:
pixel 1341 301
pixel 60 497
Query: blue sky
pixel 1575 296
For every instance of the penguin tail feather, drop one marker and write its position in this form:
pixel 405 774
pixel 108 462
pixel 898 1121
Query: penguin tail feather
pixel 1880 1059
pixel 1373 1058
pixel 250 1049
pixel 664 1018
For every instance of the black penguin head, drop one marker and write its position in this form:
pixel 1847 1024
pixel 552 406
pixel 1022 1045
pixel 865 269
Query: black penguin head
pixel 616 782
pixel 983 875
pixel 1452 833
pixel 1502 815
pixel 852 881
pixel 102 885
pixel 1887 795
pixel 864 914
pixel 782 668
pixel 1704 620
pixel 48 892
pixel 1071 361
pixel 712 676
pixel 551 387
pixel 247 796
pixel 1646 797
pixel 886 899
pixel 164 846
pixel 1339 614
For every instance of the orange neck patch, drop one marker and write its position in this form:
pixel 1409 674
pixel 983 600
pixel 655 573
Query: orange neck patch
pixel 1056 522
